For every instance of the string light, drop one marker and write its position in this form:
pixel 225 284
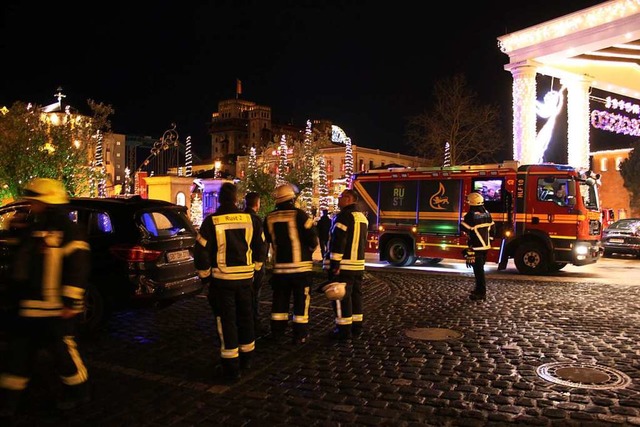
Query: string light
pixel 582 20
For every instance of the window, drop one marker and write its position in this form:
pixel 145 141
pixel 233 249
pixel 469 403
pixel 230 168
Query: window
pixel 181 199
pixel 166 223
pixel 491 189
pixel 603 164
pixel 618 161
pixel 8 216
pixel 556 190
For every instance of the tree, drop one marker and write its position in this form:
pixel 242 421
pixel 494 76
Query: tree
pixel 471 129
pixel 49 145
pixel 306 171
pixel 283 161
pixel 323 186
pixel 630 171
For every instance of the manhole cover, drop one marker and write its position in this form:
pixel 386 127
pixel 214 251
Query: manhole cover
pixel 579 375
pixel 433 334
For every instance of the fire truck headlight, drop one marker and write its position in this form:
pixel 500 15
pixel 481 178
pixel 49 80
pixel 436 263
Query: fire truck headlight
pixel 582 250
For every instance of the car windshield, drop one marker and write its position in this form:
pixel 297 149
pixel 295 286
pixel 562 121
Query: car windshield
pixel 625 224
pixel 165 223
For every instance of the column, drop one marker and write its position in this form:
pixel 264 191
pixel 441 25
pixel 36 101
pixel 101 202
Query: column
pixel 578 147
pixel 524 111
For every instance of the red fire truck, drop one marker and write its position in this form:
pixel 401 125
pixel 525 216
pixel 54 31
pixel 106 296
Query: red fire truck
pixel 546 215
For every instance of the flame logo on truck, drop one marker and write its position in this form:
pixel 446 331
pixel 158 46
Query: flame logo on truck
pixel 438 199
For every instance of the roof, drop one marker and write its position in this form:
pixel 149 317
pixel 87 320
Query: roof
pixel 601 42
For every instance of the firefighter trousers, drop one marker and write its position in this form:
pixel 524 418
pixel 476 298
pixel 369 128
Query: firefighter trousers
pixel 284 286
pixel 478 272
pixel 232 304
pixel 54 334
pixel 349 310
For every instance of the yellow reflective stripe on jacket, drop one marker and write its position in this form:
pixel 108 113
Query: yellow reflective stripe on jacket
pixel 72 292
pixel 13 382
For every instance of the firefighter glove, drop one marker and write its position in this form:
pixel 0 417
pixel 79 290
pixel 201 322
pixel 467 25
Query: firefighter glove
pixel 470 257
pixel 334 269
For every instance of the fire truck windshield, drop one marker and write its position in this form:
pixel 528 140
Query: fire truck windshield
pixel 589 193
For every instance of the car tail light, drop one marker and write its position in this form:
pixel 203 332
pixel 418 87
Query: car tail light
pixel 134 253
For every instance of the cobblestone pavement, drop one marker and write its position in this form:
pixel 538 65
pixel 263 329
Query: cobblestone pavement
pixel 160 367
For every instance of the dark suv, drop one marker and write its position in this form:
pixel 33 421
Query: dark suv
pixel 141 253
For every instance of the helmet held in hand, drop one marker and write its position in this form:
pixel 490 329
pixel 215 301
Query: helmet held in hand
pixel 335 291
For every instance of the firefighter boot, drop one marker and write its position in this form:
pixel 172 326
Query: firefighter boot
pixel 74 396
pixel 246 361
pixel 9 400
pixel 231 369
pixel 278 328
pixel 341 333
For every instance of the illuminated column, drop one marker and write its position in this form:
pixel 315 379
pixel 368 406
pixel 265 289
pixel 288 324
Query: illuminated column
pixel 578 121
pixel 524 112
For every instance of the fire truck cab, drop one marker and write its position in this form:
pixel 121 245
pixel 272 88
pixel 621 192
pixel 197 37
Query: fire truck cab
pixel 546 215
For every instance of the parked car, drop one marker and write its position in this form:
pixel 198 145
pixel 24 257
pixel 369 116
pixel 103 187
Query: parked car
pixel 141 253
pixel 622 237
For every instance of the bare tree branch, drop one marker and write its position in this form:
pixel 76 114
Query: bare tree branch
pixel 471 129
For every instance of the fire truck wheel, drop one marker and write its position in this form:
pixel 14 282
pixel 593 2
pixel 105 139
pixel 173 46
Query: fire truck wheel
pixel 530 258
pixel 398 253
pixel 557 266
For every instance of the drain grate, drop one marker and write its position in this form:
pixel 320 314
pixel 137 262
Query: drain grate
pixel 578 375
pixel 433 334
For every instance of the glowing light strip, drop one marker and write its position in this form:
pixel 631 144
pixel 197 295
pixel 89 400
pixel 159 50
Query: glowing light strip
pixel 582 20
pixel 627 46
pixel 618 104
pixel 613 122
pixel 614 55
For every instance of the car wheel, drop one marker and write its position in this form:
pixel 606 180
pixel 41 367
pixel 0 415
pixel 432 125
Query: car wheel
pixel 530 258
pixel 398 253
pixel 94 314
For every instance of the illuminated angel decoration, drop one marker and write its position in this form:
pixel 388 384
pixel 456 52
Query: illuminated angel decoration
pixel 548 109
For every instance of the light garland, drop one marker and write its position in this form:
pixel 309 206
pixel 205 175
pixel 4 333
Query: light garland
pixel 561 27
pixel 618 104
pixel 188 157
pixel 306 196
pixel 282 164
pixel 613 122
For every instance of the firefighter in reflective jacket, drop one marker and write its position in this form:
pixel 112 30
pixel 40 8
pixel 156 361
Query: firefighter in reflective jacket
pixel 224 254
pixel 49 275
pixel 345 262
pixel 479 226
pixel 293 239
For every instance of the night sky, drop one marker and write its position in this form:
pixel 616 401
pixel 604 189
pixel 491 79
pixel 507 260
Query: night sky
pixel 364 67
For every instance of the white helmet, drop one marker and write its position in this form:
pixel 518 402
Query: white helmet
pixel 335 290
pixel 284 193
pixel 46 190
pixel 475 199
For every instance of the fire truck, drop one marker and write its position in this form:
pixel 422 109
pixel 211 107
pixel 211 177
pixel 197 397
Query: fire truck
pixel 546 215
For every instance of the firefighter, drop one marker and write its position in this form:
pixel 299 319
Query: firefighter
pixel 345 263
pixel 252 206
pixel 293 239
pixel 224 254
pixel 49 274
pixel 479 226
